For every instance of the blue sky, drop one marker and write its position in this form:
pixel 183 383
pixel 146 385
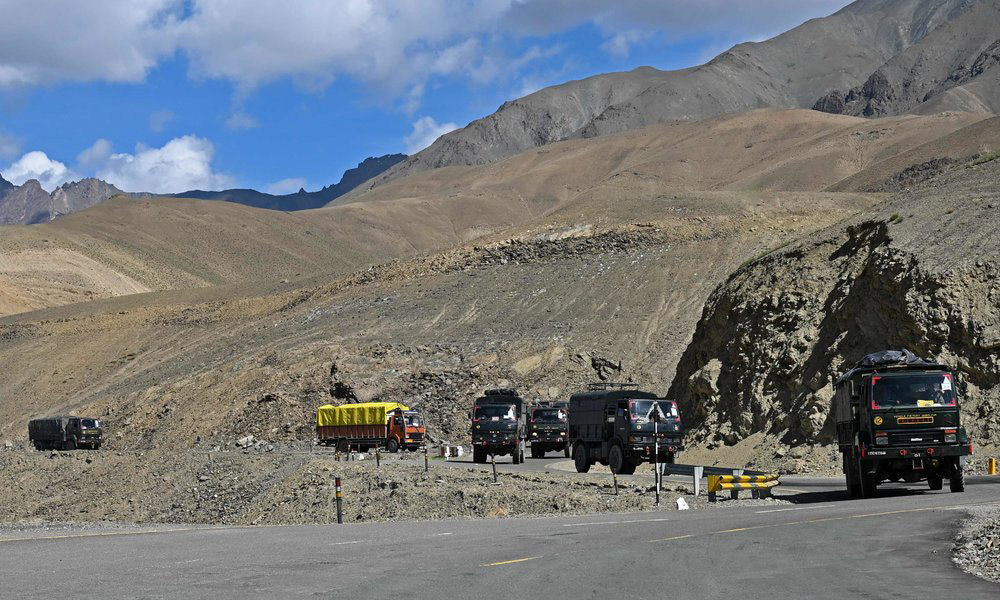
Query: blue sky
pixel 169 95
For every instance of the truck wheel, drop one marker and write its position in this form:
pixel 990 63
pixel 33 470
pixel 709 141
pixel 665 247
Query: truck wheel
pixel 69 445
pixel 566 451
pixel 515 459
pixel 867 482
pixel 628 468
pixel 957 482
pixel 343 445
pixel 580 458
pixel 479 455
pixel 392 446
pixel 935 482
pixel 537 452
pixel 616 460
pixel 671 458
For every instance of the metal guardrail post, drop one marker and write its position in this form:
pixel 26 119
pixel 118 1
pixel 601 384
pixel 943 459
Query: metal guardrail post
pixel 340 501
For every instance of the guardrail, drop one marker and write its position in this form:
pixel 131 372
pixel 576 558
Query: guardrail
pixel 759 485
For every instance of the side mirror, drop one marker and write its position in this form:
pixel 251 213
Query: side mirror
pixel 855 390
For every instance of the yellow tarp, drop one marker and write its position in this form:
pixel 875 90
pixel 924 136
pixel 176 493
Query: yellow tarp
pixel 368 413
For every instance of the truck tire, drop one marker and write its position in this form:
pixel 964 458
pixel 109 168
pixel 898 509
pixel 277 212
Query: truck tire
pixel 537 452
pixel 628 468
pixel 868 484
pixel 69 445
pixel 479 455
pixel 566 451
pixel 514 458
pixel 617 461
pixel 343 445
pixel 935 482
pixel 392 446
pixel 671 458
pixel 957 481
pixel 580 458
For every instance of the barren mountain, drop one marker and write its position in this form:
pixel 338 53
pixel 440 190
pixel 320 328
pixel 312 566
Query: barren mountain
pixel 954 67
pixel 23 204
pixel 792 70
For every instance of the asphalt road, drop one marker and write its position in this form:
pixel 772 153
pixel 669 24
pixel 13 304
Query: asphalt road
pixel 894 546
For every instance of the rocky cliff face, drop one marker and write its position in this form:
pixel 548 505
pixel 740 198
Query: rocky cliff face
pixel 920 272
pixel 824 56
pixel 78 195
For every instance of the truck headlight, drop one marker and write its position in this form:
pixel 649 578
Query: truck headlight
pixel 950 438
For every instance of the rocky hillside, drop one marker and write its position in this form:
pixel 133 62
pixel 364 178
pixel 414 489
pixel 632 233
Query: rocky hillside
pixel 23 204
pixel 839 52
pixel 954 67
pixel 921 271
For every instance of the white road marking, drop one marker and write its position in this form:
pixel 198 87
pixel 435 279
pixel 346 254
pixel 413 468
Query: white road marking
pixel 346 543
pixel 614 522
pixel 440 534
pixel 760 512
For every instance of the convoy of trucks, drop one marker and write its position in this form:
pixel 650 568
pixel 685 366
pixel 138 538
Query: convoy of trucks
pixel 368 425
pixel 898 419
pixel 65 433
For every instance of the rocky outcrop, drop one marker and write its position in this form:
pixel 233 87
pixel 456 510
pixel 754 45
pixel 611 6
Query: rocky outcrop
pixel 921 273
pixel 79 195
pixel 24 204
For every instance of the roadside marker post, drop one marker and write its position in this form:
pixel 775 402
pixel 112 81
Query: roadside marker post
pixel 493 461
pixel 614 478
pixel 427 467
pixel 378 457
pixel 991 468
pixel 698 472
pixel 340 501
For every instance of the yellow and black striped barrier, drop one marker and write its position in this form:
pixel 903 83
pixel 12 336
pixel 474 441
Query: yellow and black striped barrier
pixel 759 485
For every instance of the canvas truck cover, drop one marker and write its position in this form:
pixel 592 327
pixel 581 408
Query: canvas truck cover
pixel 368 413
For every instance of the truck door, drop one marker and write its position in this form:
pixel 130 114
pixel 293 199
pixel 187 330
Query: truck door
pixel 622 421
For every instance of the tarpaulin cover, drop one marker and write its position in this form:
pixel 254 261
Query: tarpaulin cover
pixel 892 357
pixel 368 413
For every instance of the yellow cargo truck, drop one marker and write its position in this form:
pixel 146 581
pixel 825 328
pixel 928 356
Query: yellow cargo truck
pixel 364 426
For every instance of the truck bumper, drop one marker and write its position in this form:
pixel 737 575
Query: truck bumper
pixel 953 450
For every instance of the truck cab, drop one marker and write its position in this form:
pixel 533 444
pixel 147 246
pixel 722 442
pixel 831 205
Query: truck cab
pixel 898 420
pixel 548 428
pixel 66 433
pixel 620 426
pixel 498 426
pixel 410 430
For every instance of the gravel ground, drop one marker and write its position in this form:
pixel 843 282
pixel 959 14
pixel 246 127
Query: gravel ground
pixel 977 547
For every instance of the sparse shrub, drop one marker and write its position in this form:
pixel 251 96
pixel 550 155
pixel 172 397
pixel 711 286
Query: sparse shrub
pixel 987 158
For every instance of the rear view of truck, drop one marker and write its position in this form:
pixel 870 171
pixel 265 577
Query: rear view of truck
pixel 388 425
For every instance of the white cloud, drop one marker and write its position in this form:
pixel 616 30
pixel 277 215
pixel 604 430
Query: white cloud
pixel 95 156
pixel 241 120
pixel 425 131
pixel 37 165
pixel 182 164
pixel 10 145
pixel 286 186
pixel 158 120
pixel 394 48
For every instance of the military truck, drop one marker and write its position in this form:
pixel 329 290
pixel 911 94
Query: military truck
pixel 368 425
pixel 65 433
pixel 498 426
pixel 548 428
pixel 615 423
pixel 898 419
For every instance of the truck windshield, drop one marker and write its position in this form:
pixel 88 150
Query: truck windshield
pixel 548 415
pixel 413 420
pixel 641 409
pixel 912 390
pixel 89 423
pixel 496 412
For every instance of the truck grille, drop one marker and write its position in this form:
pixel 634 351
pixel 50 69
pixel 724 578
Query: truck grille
pixel 918 438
